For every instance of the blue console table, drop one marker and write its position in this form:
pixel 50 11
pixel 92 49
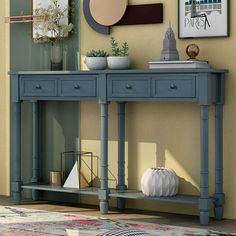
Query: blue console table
pixel 204 86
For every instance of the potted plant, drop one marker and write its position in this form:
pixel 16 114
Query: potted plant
pixel 96 59
pixel 120 55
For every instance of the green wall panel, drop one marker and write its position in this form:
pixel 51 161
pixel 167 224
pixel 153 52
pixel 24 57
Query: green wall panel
pixel 58 121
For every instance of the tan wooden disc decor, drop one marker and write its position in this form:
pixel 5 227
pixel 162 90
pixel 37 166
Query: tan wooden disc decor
pixel 107 12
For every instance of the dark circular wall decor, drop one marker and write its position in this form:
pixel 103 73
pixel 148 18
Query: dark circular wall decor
pixel 110 14
pixel 93 24
pixel 102 14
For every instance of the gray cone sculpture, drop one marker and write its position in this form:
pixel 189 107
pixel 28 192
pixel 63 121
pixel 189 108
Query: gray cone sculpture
pixel 169 51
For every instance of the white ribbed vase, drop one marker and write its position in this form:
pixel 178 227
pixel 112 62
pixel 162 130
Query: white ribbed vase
pixel 118 62
pixel 96 63
pixel 158 182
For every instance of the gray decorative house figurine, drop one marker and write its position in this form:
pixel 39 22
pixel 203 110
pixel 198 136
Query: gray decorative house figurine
pixel 169 51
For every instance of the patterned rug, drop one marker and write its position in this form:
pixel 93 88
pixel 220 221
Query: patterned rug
pixel 22 222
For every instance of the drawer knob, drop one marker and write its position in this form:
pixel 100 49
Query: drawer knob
pixel 38 86
pixel 173 86
pixel 128 86
pixel 76 86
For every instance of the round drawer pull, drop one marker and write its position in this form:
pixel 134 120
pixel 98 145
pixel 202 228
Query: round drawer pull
pixel 128 86
pixel 173 86
pixel 76 86
pixel 38 86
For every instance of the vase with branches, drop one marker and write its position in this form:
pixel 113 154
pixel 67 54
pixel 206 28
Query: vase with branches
pixel 54 28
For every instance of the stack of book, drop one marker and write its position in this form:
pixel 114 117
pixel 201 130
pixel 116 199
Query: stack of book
pixel 178 64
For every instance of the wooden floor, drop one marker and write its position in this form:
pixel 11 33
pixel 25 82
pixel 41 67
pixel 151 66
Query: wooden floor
pixel 143 216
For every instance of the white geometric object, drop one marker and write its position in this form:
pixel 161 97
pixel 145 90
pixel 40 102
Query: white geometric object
pixel 72 180
pixel 158 182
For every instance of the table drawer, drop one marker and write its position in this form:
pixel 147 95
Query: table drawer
pixel 174 88
pixel 31 87
pixel 129 87
pixel 84 87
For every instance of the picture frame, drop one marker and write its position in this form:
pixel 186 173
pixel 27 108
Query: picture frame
pixel 207 18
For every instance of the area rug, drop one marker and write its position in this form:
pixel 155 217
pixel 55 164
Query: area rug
pixel 22 222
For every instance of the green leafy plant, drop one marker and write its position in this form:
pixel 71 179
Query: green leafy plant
pixel 119 51
pixel 97 53
pixel 53 24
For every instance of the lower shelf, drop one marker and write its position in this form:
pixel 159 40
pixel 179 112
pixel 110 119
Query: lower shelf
pixel 134 194
pixel 53 188
pixel 128 194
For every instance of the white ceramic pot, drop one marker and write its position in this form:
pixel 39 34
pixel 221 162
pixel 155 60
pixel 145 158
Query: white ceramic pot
pixel 96 63
pixel 118 62
pixel 158 182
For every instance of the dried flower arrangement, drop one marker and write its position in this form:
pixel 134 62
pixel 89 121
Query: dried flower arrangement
pixel 55 24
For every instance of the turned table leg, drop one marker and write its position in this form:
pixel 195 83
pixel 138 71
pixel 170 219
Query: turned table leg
pixel 121 154
pixel 17 183
pixel 35 161
pixel 219 195
pixel 204 166
pixel 104 191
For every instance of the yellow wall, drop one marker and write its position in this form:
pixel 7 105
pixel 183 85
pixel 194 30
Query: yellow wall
pixel 4 100
pixel 166 133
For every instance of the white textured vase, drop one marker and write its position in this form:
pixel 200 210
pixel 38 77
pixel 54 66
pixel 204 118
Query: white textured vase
pixel 96 63
pixel 158 182
pixel 118 62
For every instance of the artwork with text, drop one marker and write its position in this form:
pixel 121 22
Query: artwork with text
pixel 203 18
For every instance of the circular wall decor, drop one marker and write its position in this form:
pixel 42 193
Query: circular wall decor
pixel 107 12
pixel 102 29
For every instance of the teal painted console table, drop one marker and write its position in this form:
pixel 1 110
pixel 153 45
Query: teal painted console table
pixel 204 86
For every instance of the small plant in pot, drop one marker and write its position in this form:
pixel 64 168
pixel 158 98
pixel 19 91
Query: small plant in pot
pixel 96 59
pixel 120 55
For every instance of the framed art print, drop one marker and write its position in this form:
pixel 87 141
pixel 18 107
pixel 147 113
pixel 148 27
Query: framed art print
pixel 203 18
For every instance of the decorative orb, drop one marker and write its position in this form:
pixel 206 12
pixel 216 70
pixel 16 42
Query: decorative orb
pixel 158 182
pixel 192 51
